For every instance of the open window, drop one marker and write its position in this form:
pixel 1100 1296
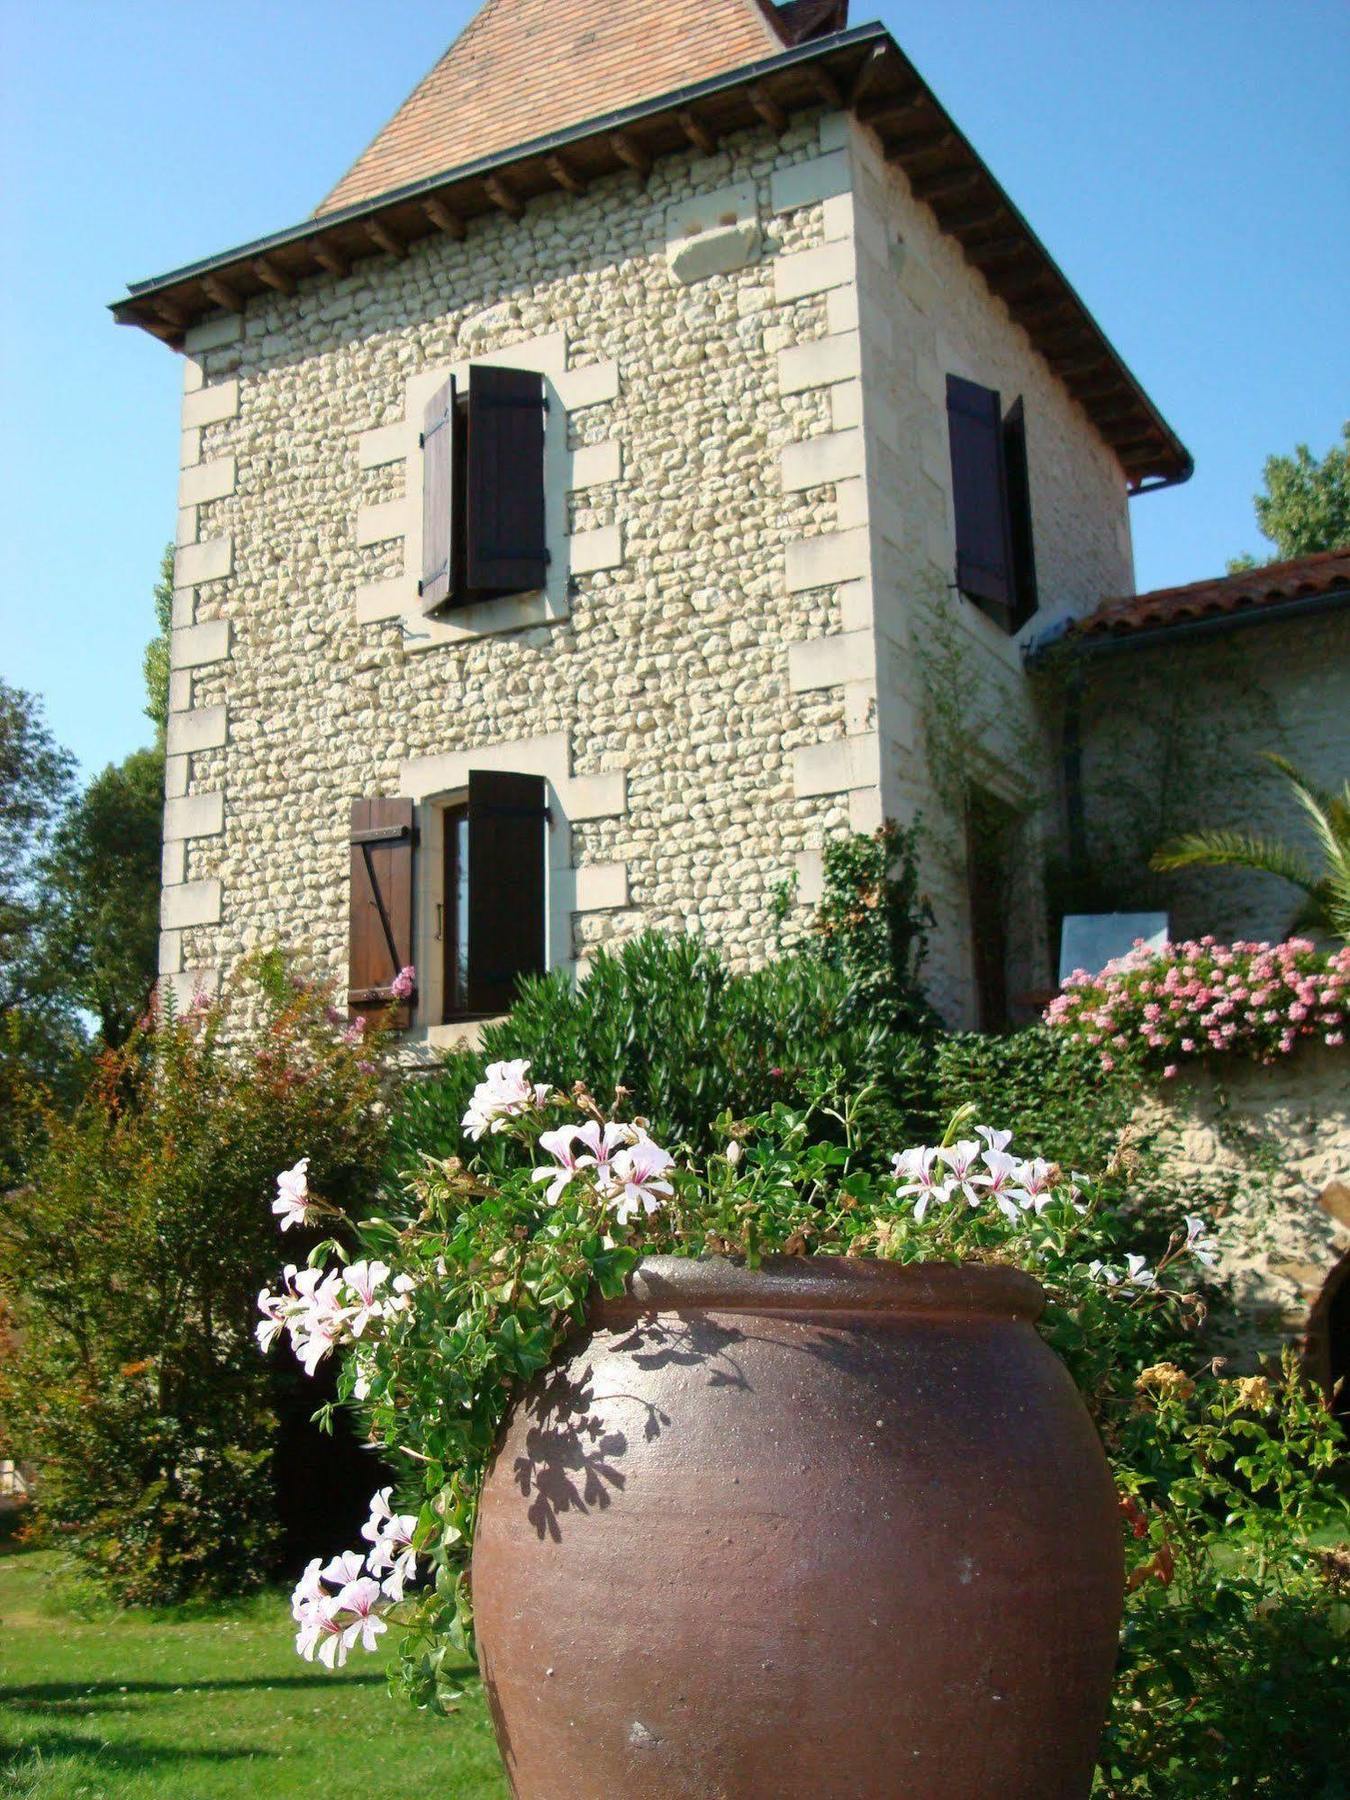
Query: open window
pixel 483 532
pixel 991 499
pixel 483 893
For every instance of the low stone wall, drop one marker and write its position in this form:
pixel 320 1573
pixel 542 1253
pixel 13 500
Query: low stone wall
pixel 1284 1132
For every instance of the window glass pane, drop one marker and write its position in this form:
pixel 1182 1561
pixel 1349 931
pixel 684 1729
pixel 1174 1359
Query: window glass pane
pixel 460 947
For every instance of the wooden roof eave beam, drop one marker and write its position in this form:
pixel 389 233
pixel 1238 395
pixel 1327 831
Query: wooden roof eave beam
pixel 939 184
pixel 328 256
pixel 973 217
pixel 700 134
pixel 271 276
pixel 917 146
pixel 631 153
pixel 825 85
pixel 906 102
pixel 443 217
pixel 767 107
pixel 503 197
pixel 563 175
pixel 164 329
pixel 216 288
pixel 379 233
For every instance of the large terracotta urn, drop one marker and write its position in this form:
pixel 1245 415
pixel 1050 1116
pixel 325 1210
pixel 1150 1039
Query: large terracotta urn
pixel 825 1530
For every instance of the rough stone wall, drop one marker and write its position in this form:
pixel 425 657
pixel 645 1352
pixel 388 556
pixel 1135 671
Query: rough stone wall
pixel 652 686
pixel 954 706
pixel 748 498
pixel 1172 739
pixel 1284 1131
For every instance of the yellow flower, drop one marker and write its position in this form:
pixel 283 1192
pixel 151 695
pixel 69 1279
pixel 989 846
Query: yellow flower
pixel 1167 1379
pixel 1253 1391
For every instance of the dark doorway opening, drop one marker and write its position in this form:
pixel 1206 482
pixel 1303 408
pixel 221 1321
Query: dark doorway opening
pixel 323 1482
pixel 991 830
pixel 1327 1355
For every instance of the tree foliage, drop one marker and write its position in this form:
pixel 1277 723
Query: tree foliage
pixel 1306 503
pixel 156 661
pixel 39 1040
pixel 130 1260
pixel 102 883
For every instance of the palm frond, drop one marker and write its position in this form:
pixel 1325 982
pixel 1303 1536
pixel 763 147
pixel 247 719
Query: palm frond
pixel 1233 849
pixel 1312 796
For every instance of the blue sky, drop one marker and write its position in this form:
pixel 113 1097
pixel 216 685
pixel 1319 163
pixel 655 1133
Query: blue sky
pixel 1187 165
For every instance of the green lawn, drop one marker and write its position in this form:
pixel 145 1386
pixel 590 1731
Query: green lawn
pixel 134 1706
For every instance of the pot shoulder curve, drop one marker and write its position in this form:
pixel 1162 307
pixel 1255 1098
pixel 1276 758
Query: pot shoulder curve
pixel 817 1284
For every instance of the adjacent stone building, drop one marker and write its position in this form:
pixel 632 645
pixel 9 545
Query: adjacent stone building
pixel 1169 703
pixel 652 458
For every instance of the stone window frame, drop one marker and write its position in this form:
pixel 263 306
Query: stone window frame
pixel 434 783
pixel 566 470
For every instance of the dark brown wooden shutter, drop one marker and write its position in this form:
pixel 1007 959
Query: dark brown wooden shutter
pixel 382 838
pixel 983 546
pixel 505 551
pixel 1025 599
pixel 506 885
pixel 438 433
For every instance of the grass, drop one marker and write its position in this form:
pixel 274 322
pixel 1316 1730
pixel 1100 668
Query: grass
pixel 99 1705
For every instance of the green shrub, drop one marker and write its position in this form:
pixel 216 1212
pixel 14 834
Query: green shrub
pixel 689 1039
pixel 131 1260
pixel 1053 1084
pixel 1235 1653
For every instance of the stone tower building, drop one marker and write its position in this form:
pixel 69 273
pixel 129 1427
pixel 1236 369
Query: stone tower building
pixel 648 461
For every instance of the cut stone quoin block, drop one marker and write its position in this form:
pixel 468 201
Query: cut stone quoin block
pixel 210 560
pixel 202 729
pixel 601 886
pixel 194 815
pixel 592 550
pixel 212 480
pixel 191 903
pixel 808 183
pixel 832 557
pixel 211 405
pixel 214 334
pixel 384 520
pixel 819 363
pixel 813 271
pixel 830 456
pixel 595 464
pixel 831 661
pixel 196 645
pixel 836 766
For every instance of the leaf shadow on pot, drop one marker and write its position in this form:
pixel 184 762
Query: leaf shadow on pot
pixel 570 1462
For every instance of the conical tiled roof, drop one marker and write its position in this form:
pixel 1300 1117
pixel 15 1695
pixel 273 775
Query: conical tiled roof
pixel 522 69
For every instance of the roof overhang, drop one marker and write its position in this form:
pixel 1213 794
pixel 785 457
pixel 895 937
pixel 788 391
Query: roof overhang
pixel 1265 593
pixel 862 70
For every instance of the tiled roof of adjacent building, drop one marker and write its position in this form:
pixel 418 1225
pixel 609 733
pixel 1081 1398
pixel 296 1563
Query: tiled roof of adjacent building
pixel 523 69
pixel 1302 577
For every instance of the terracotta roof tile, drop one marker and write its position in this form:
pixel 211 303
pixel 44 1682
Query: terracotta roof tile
pixel 1249 589
pixel 522 69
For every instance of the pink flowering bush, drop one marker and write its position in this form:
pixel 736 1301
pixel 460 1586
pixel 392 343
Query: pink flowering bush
pixel 131 1260
pixel 1159 1007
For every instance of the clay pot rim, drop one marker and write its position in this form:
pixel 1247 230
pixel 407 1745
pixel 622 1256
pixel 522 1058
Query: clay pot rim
pixel 825 1284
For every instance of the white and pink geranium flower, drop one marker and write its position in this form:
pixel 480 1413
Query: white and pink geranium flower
pixel 292 1204
pixel 504 1093
pixel 635 1181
